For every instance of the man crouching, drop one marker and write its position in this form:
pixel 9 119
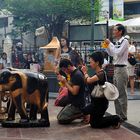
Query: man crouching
pixel 76 88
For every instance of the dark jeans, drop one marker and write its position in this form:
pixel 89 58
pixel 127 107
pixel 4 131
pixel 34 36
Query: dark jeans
pixel 97 111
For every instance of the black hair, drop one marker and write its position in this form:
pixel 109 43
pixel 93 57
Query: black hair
pixel 67 40
pixel 4 53
pixel 105 55
pixel 65 63
pixel 120 27
pixel 98 57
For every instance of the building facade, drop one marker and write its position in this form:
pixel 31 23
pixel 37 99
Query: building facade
pixel 6 27
pixel 131 8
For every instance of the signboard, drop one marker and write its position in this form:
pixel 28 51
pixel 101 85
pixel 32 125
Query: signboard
pixel 118 9
pixel 83 32
pixel 116 5
pixel 133 29
pixel 104 12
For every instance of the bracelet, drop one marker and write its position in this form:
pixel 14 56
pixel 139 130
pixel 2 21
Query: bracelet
pixel 86 75
pixel 86 78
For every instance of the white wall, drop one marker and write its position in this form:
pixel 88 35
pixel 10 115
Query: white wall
pixel 28 41
pixel 8 29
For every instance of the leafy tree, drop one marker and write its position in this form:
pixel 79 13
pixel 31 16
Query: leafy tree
pixel 31 14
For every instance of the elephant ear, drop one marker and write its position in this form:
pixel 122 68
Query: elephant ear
pixel 4 76
pixel 16 81
pixel 13 78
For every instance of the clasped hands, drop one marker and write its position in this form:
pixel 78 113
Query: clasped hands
pixel 61 79
pixel 84 69
pixel 107 41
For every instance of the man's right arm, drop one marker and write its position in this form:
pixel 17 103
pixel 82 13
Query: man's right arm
pixel 110 49
pixel 73 89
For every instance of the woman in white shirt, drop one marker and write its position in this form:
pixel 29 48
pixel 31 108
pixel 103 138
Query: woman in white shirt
pixel 4 61
pixel 131 68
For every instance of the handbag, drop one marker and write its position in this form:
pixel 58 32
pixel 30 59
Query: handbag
pixel 62 98
pixel 108 90
pixel 98 91
pixel 132 60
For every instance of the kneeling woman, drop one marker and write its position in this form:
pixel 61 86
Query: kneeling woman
pixel 98 105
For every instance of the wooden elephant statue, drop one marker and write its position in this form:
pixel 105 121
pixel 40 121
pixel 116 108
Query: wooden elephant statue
pixel 26 87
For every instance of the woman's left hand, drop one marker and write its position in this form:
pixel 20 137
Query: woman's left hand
pixel 84 69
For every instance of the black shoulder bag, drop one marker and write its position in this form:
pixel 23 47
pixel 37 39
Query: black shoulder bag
pixel 132 60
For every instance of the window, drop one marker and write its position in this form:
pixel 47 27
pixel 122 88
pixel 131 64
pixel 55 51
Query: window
pixel 3 22
pixel 132 8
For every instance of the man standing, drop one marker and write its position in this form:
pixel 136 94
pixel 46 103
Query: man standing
pixel 76 88
pixel 119 51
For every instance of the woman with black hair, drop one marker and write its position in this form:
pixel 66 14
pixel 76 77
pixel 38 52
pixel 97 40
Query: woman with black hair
pixel 64 42
pixel 98 105
pixel 68 52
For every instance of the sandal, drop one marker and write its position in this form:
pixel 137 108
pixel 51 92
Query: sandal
pixel 117 126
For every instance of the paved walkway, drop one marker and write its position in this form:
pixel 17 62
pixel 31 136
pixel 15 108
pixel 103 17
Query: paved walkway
pixel 76 131
pixel 136 96
pixel 133 112
pixel 133 122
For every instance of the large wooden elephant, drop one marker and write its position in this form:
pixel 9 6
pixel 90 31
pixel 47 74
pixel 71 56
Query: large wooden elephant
pixel 26 87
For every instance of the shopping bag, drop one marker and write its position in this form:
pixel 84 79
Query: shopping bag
pixel 62 98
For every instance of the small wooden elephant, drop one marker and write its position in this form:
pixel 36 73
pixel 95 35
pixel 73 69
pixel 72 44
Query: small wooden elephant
pixel 26 87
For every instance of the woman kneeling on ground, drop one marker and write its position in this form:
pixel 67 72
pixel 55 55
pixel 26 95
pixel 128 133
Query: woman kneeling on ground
pixel 99 105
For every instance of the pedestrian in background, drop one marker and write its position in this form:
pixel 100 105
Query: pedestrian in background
pixel 27 61
pixel 106 62
pixel 131 68
pixel 4 61
pixel 119 51
pixel 66 52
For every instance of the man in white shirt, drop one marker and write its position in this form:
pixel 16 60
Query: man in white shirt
pixel 119 51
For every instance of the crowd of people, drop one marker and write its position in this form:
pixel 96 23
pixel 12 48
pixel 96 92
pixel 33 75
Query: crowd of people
pixel 21 61
pixel 94 112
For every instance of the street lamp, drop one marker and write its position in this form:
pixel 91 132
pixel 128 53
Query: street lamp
pixel 92 23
